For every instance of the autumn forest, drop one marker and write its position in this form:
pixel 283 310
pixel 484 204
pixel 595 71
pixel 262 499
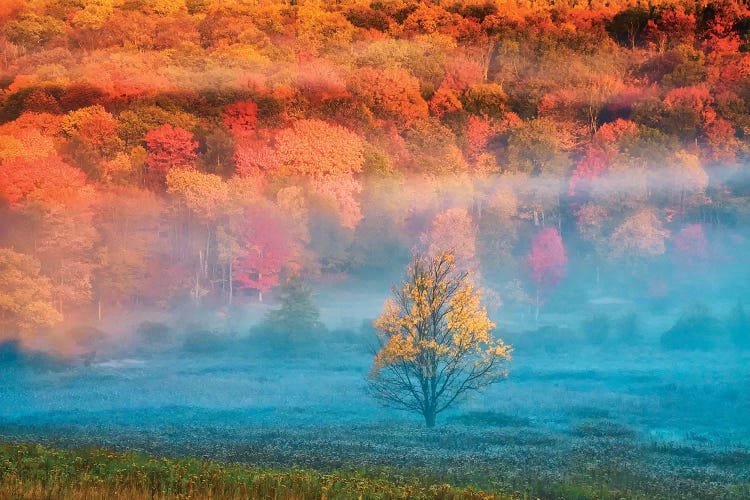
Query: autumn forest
pixel 171 151
pixel 585 163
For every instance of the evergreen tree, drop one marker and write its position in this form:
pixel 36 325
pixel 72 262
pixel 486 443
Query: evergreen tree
pixel 297 321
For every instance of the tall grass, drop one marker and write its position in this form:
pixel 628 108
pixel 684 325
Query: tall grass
pixel 32 471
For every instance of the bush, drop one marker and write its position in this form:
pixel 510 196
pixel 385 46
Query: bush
pixel 550 338
pixel 205 341
pixel 9 352
pixel 597 328
pixel 153 331
pixel 695 329
pixel 738 326
pixel 626 327
pixel 351 340
pixel 87 339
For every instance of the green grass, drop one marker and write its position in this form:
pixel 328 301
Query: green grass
pixel 32 471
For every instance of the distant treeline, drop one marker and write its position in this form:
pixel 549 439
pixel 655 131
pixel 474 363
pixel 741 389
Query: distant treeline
pixel 158 152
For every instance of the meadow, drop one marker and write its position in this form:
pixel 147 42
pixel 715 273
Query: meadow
pixel 575 419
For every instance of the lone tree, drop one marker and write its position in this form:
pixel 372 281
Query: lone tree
pixel 436 340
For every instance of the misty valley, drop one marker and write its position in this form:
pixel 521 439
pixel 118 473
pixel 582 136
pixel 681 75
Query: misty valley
pixel 592 393
pixel 374 249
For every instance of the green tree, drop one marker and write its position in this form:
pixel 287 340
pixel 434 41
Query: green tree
pixel 297 320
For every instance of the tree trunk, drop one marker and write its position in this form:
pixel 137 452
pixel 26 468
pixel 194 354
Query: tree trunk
pixel 429 418
pixel 208 249
pixel 231 289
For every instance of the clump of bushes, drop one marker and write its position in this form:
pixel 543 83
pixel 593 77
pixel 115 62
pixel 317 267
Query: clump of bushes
pixel 550 338
pixel 696 329
pixel 153 331
pixel 597 328
pixel 738 326
pixel 9 352
pixel 600 328
pixel 205 341
pixel 626 327
pixel 154 336
pixel 88 340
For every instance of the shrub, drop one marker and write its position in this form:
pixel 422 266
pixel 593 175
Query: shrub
pixel 597 328
pixel 87 339
pixel 626 327
pixel 153 331
pixel 205 341
pixel 738 326
pixel 9 352
pixel 695 329
pixel 550 338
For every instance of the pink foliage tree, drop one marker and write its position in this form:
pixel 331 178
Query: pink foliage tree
pixel 690 243
pixel 265 249
pixel 605 146
pixel 547 261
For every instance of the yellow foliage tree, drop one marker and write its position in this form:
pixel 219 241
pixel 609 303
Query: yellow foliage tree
pixel 436 342
pixel 201 199
pixel 25 296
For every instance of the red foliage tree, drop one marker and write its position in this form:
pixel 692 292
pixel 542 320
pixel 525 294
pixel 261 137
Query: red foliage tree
pixel 444 101
pixel 690 110
pixel 722 17
pixel 254 159
pixel 722 142
pixel 241 118
pixel 169 147
pixel 673 27
pixel 481 129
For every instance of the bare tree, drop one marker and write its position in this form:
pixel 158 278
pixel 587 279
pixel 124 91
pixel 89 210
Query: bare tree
pixel 436 340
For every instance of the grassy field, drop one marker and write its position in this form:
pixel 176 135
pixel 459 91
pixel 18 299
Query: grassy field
pixel 29 471
pixel 573 421
pixel 32 471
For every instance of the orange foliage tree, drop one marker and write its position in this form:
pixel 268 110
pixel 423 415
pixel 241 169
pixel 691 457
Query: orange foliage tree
pixel 328 157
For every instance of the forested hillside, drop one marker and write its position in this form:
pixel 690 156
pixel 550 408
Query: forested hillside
pixel 165 152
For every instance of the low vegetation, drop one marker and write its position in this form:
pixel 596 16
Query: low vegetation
pixel 31 471
pixel 695 329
